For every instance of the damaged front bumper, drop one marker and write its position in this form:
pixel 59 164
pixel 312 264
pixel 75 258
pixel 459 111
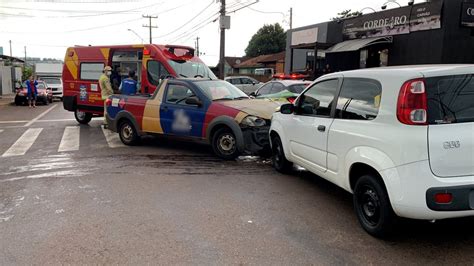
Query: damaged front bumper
pixel 256 139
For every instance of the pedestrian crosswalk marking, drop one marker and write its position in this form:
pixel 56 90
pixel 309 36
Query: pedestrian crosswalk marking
pixel 70 139
pixel 112 139
pixel 23 144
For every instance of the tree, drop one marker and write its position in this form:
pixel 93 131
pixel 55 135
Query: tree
pixel 346 14
pixel 269 39
pixel 27 72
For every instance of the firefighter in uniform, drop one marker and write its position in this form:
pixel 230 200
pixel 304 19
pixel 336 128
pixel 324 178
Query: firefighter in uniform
pixel 105 88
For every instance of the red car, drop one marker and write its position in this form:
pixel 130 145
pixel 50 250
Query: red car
pixel 44 95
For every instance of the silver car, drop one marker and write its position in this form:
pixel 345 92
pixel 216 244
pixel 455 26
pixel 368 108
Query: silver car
pixel 244 83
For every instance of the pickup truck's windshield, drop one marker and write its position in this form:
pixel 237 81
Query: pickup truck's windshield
pixel 190 69
pixel 220 90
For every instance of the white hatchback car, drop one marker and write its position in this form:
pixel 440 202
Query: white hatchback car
pixel 401 139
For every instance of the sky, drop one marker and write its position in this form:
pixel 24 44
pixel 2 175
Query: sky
pixel 48 27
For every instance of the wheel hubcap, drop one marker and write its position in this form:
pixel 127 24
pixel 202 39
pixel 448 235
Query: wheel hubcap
pixel 369 203
pixel 127 132
pixel 81 115
pixel 227 144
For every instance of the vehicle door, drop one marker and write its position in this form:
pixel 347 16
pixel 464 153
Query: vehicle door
pixel 308 129
pixel 178 117
pixel 451 125
pixel 247 85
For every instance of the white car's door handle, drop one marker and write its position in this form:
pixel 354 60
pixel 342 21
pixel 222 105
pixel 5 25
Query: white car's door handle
pixel 321 128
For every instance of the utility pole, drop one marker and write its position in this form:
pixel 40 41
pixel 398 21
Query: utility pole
pixel 10 48
pixel 25 56
pixel 197 46
pixel 222 45
pixel 291 18
pixel 149 25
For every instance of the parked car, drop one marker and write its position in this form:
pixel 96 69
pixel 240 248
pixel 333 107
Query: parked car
pixel 281 89
pixel 399 138
pixel 56 86
pixel 44 95
pixel 212 111
pixel 244 83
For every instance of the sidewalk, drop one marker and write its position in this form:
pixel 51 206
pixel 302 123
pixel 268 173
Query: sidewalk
pixel 7 99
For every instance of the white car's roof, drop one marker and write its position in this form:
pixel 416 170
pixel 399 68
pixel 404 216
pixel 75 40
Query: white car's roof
pixel 408 71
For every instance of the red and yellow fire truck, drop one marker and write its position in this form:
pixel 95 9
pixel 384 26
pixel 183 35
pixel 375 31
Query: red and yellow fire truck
pixel 83 65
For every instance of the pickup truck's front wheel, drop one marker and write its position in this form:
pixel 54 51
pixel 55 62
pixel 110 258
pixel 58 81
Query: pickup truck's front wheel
pixel 224 144
pixel 128 134
pixel 82 117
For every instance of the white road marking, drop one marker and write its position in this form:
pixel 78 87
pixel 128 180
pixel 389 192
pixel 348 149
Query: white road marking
pixel 39 116
pixel 112 138
pixel 70 139
pixel 23 144
pixel 13 122
pixel 1 130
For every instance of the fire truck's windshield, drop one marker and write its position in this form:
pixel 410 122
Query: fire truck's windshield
pixel 190 69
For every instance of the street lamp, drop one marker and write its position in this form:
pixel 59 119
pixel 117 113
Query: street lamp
pixel 373 10
pixel 384 6
pixel 136 34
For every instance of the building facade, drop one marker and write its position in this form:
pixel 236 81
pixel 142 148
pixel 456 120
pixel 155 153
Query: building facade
pixel 434 32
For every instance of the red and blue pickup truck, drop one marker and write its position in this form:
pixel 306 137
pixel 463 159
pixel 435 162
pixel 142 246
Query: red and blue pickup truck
pixel 213 111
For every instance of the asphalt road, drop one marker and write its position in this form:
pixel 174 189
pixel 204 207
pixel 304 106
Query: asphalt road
pixel 90 200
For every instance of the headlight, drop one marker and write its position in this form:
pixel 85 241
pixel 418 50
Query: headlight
pixel 253 121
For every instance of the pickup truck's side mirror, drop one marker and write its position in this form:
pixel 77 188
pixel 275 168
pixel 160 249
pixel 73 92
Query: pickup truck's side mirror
pixel 193 101
pixel 253 94
pixel 287 109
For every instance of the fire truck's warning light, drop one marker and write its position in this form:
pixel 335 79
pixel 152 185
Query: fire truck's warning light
pixel 179 53
pixel 146 52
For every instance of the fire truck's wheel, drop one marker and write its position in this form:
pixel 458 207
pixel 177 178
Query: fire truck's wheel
pixel 82 117
pixel 224 144
pixel 128 134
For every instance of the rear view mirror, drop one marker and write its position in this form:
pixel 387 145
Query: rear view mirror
pixel 193 101
pixel 287 109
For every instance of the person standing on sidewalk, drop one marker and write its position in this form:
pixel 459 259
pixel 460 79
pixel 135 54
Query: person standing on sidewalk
pixel 105 88
pixel 32 91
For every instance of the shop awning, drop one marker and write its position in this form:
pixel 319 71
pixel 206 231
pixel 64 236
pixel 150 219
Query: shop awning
pixel 354 45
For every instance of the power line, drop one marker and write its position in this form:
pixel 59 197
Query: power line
pixel 197 27
pixel 173 31
pixel 267 12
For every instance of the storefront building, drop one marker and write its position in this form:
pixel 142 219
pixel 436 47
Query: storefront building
pixel 434 32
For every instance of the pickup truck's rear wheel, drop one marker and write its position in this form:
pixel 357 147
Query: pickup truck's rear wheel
pixel 372 206
pixel 224 144
pixel 280 163
pixel 82 117
pixel 128 134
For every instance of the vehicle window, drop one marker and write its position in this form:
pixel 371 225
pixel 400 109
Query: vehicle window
pixel 156 72
pixel 178 94
pixel 40 86
pixel 189 69
pixel 297 88
pixel 277 87
pixel 220 90
pixel 236 81
pixel 265 89
pixel 319 99
pixel 246 81
pixel 52 80
pixel 91 71
pixel 450 99
pixel 359 99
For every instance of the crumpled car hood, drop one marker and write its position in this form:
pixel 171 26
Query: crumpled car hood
pixel 263 108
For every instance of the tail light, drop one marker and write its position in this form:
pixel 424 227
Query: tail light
pixel 291 99
pixel 443 198
pixel 108 102
pixel 412 103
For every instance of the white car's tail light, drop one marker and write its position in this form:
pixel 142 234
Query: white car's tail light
pixel 412 103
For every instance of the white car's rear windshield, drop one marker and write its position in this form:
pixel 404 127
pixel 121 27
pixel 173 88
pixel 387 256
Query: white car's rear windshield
pixel 450 99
